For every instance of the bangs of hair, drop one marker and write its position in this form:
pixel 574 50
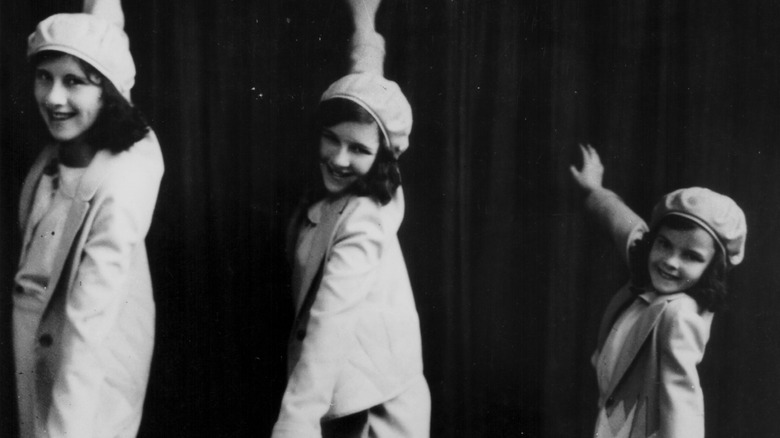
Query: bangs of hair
pixel 384 177
pixel 119 124
pixel 331 112
pixel 709 292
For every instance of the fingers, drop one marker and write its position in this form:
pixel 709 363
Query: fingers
pixel 589 156
pixel 594 155
pixel 585 153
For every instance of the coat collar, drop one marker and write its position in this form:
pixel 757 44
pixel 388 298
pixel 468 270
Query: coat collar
pixel 30 185
pixel 95 174
pixel 90 182
pixel 324 215
pixel 639 333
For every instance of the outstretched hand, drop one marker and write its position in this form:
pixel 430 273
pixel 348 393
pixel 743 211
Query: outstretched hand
pixel 590 176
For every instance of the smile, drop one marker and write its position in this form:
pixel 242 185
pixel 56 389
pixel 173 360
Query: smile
pixel 342 174
pixel 59 116
pixel 666 276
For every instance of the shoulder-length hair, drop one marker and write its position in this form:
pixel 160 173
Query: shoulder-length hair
pixel 709 292
pixel 119 124
pixel 384 177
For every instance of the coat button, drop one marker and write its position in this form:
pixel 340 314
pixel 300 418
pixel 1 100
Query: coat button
pixel 45 340
pixel 610 402
pixel 300 334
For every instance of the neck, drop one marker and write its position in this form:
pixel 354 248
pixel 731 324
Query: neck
pixel 76 153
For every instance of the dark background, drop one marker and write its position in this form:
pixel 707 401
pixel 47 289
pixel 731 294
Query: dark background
pixel 510 278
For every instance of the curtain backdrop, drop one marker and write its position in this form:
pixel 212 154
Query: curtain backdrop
pixel 510 278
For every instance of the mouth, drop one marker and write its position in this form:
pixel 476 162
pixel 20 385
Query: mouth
pixel 339 174
pixel 666 276
pixel 59 116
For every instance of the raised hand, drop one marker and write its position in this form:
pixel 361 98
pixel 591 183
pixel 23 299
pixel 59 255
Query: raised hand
pixel 111 10
pixel 592 173
pixel 367 47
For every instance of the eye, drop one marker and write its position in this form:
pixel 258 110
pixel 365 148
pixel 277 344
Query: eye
pixel 42 76
pixel 662 242
pixel 329 137
pixel 358 148
pixel 693 256
pixel 72 81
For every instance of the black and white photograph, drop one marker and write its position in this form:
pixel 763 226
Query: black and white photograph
pixel 389 218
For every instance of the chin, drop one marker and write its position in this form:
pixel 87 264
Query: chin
pixel 61 136
pixel 664 288
pixel 332 187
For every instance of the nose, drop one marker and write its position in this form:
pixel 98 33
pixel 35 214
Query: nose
pixel 340 157
pixel 672 261
pixel 55 95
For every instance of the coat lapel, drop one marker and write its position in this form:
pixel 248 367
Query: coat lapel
pixel 325 221
pixel 30 186
pixel 77 212
pixel 636 339
pixel 619 302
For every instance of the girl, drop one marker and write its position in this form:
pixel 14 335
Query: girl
pixel 355 360
pixel 655 329
pixel 83 316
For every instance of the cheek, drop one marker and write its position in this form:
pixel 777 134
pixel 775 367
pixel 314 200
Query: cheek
pixel 654 256
pixel 40 95
pixel 325 150
pixel 695 272
pixel 363 164
pixel 92 106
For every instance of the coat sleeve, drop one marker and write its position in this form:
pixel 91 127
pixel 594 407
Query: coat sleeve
pixel 124 204
pixel 614 216
pixel 367 46
pixel 349 274
pixel 683 335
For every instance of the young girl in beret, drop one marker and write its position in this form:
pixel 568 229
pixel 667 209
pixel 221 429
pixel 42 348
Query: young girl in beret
pixel 83 316
pixel 656 327
pixel 355 360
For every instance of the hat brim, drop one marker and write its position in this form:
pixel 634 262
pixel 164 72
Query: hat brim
pixel 698 222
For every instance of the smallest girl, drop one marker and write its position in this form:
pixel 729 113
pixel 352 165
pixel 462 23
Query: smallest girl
pixel 656 327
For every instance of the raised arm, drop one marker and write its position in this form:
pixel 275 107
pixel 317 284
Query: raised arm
pixel 367 46
pixel 609 211
pixel 111 10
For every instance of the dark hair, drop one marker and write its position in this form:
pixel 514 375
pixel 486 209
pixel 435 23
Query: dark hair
pixel 119 124
pixel 384 177
pixel 709 292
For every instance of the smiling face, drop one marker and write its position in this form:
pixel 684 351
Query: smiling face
pixel 347 152
pixel 68 99
pixel 679 258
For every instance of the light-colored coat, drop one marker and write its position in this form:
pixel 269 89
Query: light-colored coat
pixel 94 343
pixel 654 390
pixel 356 339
